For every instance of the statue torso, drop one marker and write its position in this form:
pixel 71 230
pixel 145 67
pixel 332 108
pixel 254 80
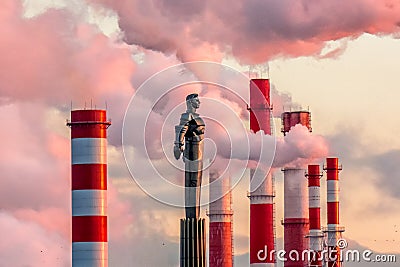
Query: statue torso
pixel 196 126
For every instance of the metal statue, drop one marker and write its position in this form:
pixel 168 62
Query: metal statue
pixel 189 141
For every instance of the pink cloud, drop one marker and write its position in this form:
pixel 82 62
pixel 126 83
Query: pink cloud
pixel 25 243
pixel 253 31
pixel 56 58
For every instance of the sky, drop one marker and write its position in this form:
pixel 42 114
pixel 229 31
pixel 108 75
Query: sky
pixel 338 60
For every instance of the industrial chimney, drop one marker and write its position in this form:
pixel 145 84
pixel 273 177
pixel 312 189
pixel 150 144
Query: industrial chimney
pixel 220 215
pixel 333 231
pixel 315 235
pixel 296 219
pixel 262 219
pixel 89 187
pixel 292 118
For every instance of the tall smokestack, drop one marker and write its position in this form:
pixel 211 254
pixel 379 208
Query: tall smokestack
pixel 89 187
pixel 260 106
pixel 315 236
pixel 296 220
pixel 334 231
pixel 262 221
pixel 220 215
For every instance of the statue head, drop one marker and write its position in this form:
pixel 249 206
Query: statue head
pixel 192 101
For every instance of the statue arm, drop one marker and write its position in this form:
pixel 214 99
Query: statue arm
pixel 180 131
pixel 180 140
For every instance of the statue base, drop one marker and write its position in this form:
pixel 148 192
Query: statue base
pixel 193 243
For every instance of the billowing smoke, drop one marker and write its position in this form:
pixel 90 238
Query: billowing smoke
pixel 253 31
pixel 298 148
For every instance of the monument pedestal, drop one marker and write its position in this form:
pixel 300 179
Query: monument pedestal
pixel 193 243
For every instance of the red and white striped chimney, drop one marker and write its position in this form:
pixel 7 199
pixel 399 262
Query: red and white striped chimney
pixel 262 235
pixel 333 230
pixel 296 222
pixel 89 188
pixel 296 219
pixel 220 215
pixel 315 236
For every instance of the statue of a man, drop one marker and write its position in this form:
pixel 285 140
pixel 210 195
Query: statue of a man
pixel 189 140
